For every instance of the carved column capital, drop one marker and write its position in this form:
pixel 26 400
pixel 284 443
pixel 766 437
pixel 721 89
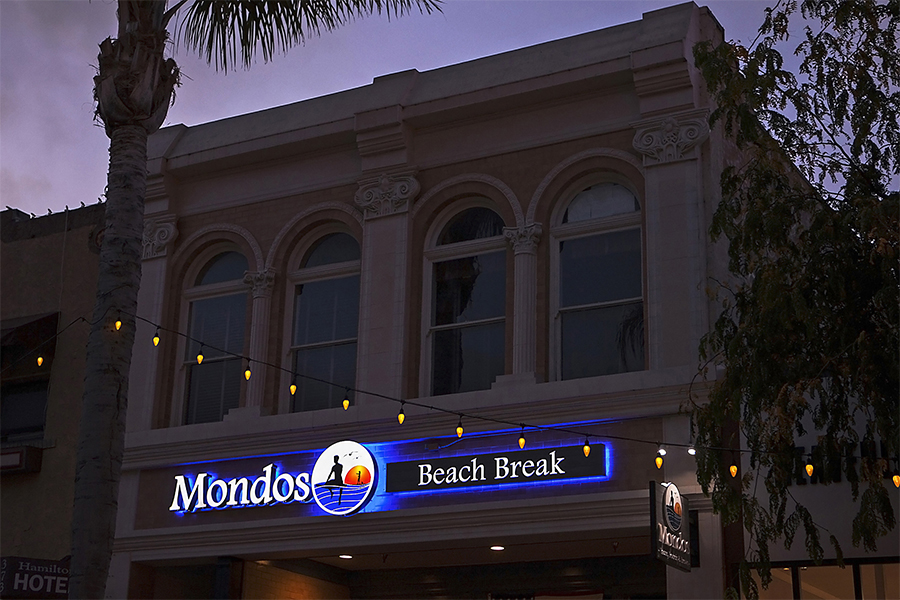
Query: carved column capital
pixel 387 195
pixel 261 282
pixel 670 138
pixel 159 232
pixel 524 240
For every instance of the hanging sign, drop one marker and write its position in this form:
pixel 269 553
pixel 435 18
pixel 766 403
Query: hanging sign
pixel 502 468
pixel 670 532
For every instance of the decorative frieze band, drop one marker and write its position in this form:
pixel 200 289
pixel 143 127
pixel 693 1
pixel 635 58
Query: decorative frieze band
pixel 670 138
pixel 524 240
pixel 261 282
pixel 159 232
pixel 388 195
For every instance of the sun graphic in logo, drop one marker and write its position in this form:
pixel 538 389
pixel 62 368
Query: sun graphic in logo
pixel 343 478
pixel 672 506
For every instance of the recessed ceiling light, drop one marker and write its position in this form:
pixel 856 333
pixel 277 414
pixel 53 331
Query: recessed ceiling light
pixel 497 548
pixel 345 556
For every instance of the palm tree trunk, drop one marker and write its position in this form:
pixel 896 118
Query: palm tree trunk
pixel 102 432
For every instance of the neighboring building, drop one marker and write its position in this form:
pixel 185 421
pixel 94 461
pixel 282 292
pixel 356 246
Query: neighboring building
pixel 49 277
pixel 520 238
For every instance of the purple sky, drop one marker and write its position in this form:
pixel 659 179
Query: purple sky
pixel 52 154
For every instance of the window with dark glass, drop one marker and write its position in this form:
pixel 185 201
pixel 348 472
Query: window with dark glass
pixel 326 321
pixel 468 303
pixel 26 384
pixel 218 323
pixel 600 299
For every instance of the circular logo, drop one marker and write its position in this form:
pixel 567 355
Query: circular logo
pixel 343 478
pixel 672 503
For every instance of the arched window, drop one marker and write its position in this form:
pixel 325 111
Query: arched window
pixel 599 299
pixel 466 328
pixel 326 322
pixel 217 318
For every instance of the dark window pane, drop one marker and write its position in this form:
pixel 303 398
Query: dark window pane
pixel 332 363
pixel 219 324
pixel 334 248
pixel 214 388
pixel 600 268
pixel 22 409
pixel 602 341
pixel 472 224
pixel 467 358
pixel 326 310
pixel 227 266
pixel 469 289
pixel 599 201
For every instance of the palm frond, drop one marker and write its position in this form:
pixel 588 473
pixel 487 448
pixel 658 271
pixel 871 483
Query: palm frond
pixel 224 32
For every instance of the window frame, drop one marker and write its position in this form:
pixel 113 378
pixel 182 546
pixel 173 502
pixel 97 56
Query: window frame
pixel 190 294
pixel 434 253
pixel 298 276
pixel 561 232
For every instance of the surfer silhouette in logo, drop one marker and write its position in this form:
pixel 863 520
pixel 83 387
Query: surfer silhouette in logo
pixel 335 479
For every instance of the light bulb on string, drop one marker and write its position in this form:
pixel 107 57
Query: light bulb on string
pixel 659 462
pixel 733 469
pixel 118 324
pixel 156 337
pixel 522 438
pixel 896 479
pixel 40 360
pixel 691 450
pixel 293 385
pixel 247 372
pixel 459 427
pixel 401 416
pixel 200 355
pixel 346 402
pixel 809 465
pixel 586 448
pixel 660 452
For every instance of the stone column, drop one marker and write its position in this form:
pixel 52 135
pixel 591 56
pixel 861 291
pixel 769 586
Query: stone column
pixel 159 233
pixel 261 283
pixel 676 250
pixel 524 243
pixel 385 201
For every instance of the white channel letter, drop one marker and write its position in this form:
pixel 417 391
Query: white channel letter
pixel 211 493
pixel 302 491
pixel 288 479
pixel 244 484
pixel 197 493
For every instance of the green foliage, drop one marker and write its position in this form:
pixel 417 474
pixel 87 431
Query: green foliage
pixel 809 327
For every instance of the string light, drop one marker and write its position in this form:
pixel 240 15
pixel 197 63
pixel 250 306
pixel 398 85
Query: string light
pixel 247 372
pixel 691 449
pixel 522 438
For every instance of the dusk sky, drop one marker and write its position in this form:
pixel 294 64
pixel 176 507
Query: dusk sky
pixel 53 154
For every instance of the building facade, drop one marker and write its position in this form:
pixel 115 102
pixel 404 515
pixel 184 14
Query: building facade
pixel 49 278
pixel 514 246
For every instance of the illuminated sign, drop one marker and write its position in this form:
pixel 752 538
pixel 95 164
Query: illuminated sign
pixel 494 469
pixel 342 481
pixel 670 529
pixel 347 477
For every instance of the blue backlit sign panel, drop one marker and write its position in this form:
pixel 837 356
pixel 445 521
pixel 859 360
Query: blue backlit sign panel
pixel 349 477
